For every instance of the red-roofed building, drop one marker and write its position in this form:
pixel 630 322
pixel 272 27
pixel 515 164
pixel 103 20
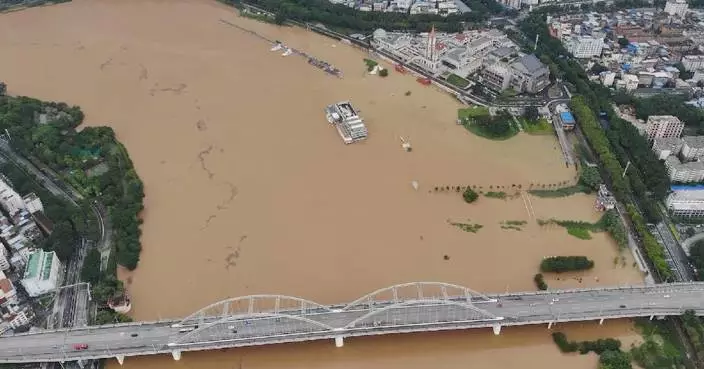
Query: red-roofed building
pixel 7 291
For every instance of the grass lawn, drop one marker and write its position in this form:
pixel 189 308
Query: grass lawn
pixel 457 81
pixel 475 111
pixel 539 127
pixel 477 130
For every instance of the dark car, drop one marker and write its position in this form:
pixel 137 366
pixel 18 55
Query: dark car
pixel 622 306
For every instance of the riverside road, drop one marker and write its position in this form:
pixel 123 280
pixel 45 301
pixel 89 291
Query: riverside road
pixel 232 329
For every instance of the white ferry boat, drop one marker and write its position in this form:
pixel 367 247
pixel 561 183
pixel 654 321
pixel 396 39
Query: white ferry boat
pixel 287 52
pixel 348 123
pixel 277 47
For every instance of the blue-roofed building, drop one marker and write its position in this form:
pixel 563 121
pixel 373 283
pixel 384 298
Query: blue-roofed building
pixel 567 120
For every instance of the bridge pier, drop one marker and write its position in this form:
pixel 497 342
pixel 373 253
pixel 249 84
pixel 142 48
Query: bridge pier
pixel 339 341
pixel 601 321
pixel 80 363
pixel 651 317
pixel 549 325
pixel 497 329
pixel 120 359
pixel 176 354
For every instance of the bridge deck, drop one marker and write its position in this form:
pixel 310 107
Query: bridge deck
pixel 429 313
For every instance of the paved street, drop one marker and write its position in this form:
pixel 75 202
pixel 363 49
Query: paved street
pixel 357 320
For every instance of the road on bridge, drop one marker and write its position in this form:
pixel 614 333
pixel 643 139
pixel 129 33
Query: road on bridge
pixel 360 319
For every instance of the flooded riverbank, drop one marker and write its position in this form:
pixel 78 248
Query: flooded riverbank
pixel 249 190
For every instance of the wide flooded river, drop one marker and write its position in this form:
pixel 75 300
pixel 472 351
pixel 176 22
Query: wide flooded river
pixel 249 190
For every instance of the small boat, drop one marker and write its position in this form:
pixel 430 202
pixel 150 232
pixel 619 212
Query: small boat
pixel 287 52
pixel 277 47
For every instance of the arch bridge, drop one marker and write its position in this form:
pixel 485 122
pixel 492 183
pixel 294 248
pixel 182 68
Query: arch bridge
pixel 403 308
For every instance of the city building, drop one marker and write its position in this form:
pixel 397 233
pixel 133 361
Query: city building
pixel 661 126
pixel 490 53
pixel 664 147
pixel 42 273
pixel 33 203
pixel 525 74
pixel 529 75
pixel 677 7
pixel 684 172
pixel 686 201
pixel 607 78
pixel 4 259
pixel 10 200
pixel 583 46
pixel 693 62
pixel 630 82
pixel 693 147
pixel 8 294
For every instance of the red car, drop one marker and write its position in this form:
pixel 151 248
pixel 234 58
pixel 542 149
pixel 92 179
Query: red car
pixel 80 346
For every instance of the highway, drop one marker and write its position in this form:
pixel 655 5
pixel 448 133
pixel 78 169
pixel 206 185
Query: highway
pixel 361 318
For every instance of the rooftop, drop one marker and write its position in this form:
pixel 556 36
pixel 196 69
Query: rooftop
pixel 530 63
pixel 696 142
pixel 32 269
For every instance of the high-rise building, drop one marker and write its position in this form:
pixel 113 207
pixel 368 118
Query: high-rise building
pixel 4 258
pixel 677 7
pixel 664 147
pixel 33 203
pixel 684 172
pixel 42 273
pixel 693 147
pixel 662 126
pixel 686 202
pixel 584 46
pixel 10 200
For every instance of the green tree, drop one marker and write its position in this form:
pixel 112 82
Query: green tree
pixel 559 264
pixel 469 195
pixel 90 272
pixel 623 41
pixel 384 72
pixel 62 240
pixel 3 88
pixel 531 113
pixel 614 360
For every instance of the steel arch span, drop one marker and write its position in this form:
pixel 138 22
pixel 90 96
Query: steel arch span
pixel 253 305
pixel 422 312
pixel 235 328
pixel 418 291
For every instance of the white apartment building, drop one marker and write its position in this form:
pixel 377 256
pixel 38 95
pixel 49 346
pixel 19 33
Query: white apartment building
pixel 669 146
pixel 686 203
pixel 661 126
pixel 4 259
pixel 684 172
pixel 693 62
pixel 33 203
pixel 677 7
pixel 630 82
pixel 42 273
pixel 607 78
pixel 584 46
pixel 10 200
pixel 693 147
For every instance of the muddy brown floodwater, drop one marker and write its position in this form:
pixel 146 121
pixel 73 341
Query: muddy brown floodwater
pixel 249 190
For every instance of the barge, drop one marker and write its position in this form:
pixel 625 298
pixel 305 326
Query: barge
pixel 347 121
